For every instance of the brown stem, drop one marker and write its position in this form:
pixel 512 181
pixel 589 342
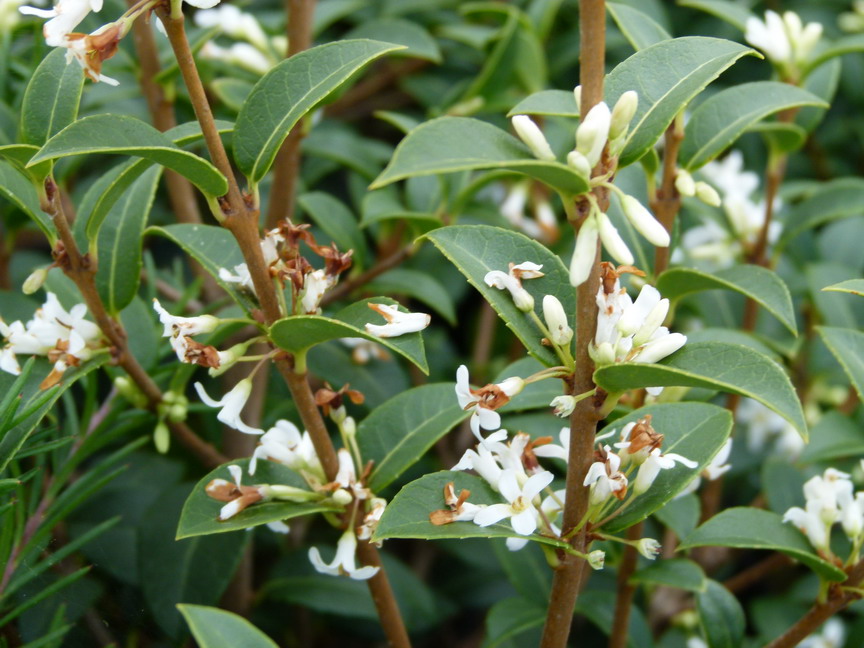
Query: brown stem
pixel 756 573
pixel 626 590
pixel 667 202
pixel 383 597
pixel 286 170
pixel 569 576
pixel 388 263
pixel 385 75
pixel 838 598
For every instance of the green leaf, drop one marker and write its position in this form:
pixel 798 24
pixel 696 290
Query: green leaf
pixel 667 76
pixel 782 137
pixel 847 345
pixel 18 189
pixel 300 332
pixel 834 437
pixel 418 43
pixel 557 103
pixel 844 45
pixel 478 249
pixel 215 628
pixel 450 144
pixel 20 155
pixel 51 98
pixel 757 283
pixel 511 617
pixel 231 92
pixel 419 285
pixel 852 286
pixel 200 510
pixel 124 135
pixel 694 430
pixel 407 515
pixel 727 115
pixel 337 221
pixel 681 515
pixel 599 608
pixel 750 528
pixel 289 91
pixel 720 616
pixel 527 570
pixel 822 82
pixel 119 243
pixel 732 12
pixel 833 200
pixel 638 28
pixel 675 572
pixel 396 434
pixel 713 365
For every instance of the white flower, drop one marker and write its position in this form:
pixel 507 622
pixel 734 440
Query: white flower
pixel 512 281
pixel 285 444
pixel 398 322
pixel 763 424
pixel 174 325
pixel 533 137
pixel 652 466
pixel 810 522
pixel 241 277
pixel 563 405
pixel 684 183
pixel 231 404
pixel 242 55
pixel 612 241
pixel 520 507
pixel 644 222
pixel 343 563
pixel 596 559
pixel 786 41
pixel 592 133
pixel 233 23
pixel 484 401
pixel 648 547
pixel 561 452
pixel 65 17
pixel 622 114
pixel 833 635
pixel 556 321
pixel 372 517
pixel 315 284
pixel 718 465
pixel 605 479
pixel 585 252
pixel 483 462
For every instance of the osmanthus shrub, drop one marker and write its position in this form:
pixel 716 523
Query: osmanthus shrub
pixel 681 353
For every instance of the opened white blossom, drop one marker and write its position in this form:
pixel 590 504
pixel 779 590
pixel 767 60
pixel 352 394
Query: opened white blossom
pixel 533 137
pixel 766 428
pixel 563 406
pixel 483 461
pixel 484 401
pixel 784 39
pixel 231 405
pixel 512 281
pixel 233 23
pixel 398 322
pixel 829 498
pixel 64 18
pixel 344 563
pixel 283 443
pixel 555 451
pixel 653 464
pixel 242 55
pixel 605 478
pixel 520 508
pixel 177 328
pixel 648 547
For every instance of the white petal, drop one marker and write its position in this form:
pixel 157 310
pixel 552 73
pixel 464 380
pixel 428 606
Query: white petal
pixel 492 514
pixel 537 483
pixel 525 523
pixel 508 486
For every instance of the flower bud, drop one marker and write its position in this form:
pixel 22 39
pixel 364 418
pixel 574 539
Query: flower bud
pixel 612 241
pixel 684 183
pixel 652 322
pixel 129 390
pixel 523 300
pixel 585 252
pixel 286 493
pixel 577 95
pixel 34 281
pixel 660 348
pixel 807 41
pixel 511 386
pixel 341 497
pixel 623 113
pixel 564 405
pixel 579 163
pixel 596 559
pixel 602 354
pixel 644 222
pixel 648 547
pixel 533 137
pixel 162 437
pixel 592 133
pixel 349 426
pixel 556 321
pixel 707 194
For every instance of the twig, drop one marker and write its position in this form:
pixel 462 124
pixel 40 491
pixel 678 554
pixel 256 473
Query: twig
pixel 667 202
pixel 386 74
pixel 346 288
pixel 756 573
pixel 626 590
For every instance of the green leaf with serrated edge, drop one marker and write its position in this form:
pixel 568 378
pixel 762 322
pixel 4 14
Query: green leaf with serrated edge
pixel 289 91
pixel 119 243
pixel 749 528
pixel 759 284
pixel 419 285
pixel 200 510
pixel 834 437
pixel 713 365
pixel 231 92
pixel 450 144
pixel 847 345
pixel 853 286
pixel 674 572
pixel 509 618
pixel 639 29
pixel 418 42
pixel 124 135
pixel 725 116
pixel 557 103
pixel 51 98
pixel 215 628
pixel 300 332
pixel 214 248
pixel 841 46
pixel 478 249
pixel 396 434
pixel 693 430
pixel 16 188
pixel 407 515
pixel 731 12
pixel 720 616
pixel 337 222
pixel 20 155
pixel 667 76
pixel 841 198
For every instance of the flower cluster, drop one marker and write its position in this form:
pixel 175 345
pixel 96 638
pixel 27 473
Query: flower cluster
pixel 544 225
pixel 830 499
pixel 785 40
pixel 256 52
pixel 64 337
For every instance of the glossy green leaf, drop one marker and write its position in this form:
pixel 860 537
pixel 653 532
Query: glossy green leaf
pixel 20 155
pixel 732 12
pixel 418 43
pixel 124 135
pixel 720 616
pixel 693 430
pixel 681 515
pixel 674 572
pixel 301 332
pixel 396 434
pixel 199 516
pixel 417 284
pixel 727 115
pixel 337 222
pixel 511 617
pixel 757 283
pixel 667 76
pixel 782 137
pixel 119 243
pixel 713 365
pixel 289 91
pixel 832 201
pixel 450 144
pixel 478 249
pixel 407 515
pixel 51 98
pixel 835 436
pixel 215 628
pixel 852 286
pixel 841 46
pixel 750 528
pixel 847 345
pixel 18 189
pixel 500 61
pixel 599 609
pixel 232 92
pixel 638 28
pixel 822 82
pixel 385 204
pixel 557 103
